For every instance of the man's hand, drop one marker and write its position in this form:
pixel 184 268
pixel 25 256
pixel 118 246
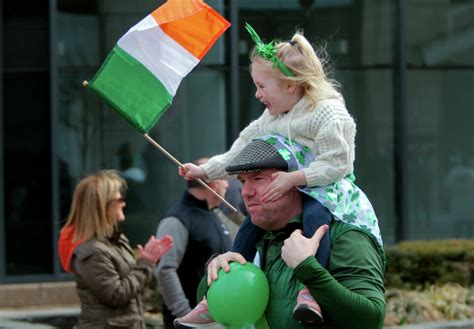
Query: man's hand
pixel 222 261
pixel 297 248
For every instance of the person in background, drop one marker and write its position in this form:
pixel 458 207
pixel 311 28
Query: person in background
pixel 232 219
pixel 109 277
pixel 197 233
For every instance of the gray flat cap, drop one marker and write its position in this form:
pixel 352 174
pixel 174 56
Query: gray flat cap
pixel 256 156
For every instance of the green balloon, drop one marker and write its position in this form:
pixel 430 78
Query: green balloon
pixel 238 298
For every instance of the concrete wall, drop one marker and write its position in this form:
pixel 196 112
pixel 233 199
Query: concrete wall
pixel 38 294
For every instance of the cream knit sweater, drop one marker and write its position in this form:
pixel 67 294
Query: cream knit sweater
pixel 327 129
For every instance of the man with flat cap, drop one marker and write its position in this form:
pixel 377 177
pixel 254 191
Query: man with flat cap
pixel 350 291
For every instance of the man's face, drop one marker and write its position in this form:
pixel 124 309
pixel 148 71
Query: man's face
pixel 221 186
pixel 268 215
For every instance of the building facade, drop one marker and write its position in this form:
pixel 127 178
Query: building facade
pixel 406 68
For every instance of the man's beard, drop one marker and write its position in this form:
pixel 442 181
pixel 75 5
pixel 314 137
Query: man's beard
pixel 273 216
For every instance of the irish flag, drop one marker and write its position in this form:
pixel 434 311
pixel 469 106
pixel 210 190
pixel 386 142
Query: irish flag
pixel 141 74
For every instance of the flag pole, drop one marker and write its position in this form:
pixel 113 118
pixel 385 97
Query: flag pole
pixel 85 83
pixel 200 181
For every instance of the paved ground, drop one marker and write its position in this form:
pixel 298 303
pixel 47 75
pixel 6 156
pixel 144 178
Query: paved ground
pixel 463 324
pixel 23 318
pixel 26 318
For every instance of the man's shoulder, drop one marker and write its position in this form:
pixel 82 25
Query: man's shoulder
pixel 350 234
pixel 169 221
pixel 350 239
pixel 189 217
pixel 185 212
pixel 339 228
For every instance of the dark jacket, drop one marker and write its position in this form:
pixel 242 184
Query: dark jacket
pixel 109 282
pixel 206 238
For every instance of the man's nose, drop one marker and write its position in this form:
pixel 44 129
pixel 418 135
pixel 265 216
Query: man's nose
pixel 246 190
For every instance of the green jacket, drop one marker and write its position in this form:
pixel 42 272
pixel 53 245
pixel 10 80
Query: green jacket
pixel 350 291
pixel 283 284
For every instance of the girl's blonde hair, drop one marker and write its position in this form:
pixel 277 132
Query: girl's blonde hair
pixel 309 68
pixel 92 196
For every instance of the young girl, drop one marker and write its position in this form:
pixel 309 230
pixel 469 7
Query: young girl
pixel 305 106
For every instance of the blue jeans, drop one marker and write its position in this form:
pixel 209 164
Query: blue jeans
pixel 314 215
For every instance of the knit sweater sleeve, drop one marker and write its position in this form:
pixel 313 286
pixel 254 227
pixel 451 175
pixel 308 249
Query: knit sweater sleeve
pixel 352 290
pixel 333 131
pixel 215 167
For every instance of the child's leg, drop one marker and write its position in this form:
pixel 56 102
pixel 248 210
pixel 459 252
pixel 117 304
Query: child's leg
pixel 246 238
pixel 315 215
pixel 307 309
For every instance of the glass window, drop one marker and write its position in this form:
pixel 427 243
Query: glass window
pixel 79 131
pixel 441 153
pixel 26 137
pixel 440 81
pixel 369 95
pixel 354 33
pixel 445 37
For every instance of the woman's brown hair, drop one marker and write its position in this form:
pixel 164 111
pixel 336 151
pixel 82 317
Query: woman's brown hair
pixel 91 198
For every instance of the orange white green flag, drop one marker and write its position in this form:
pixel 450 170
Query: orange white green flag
pixel 141 74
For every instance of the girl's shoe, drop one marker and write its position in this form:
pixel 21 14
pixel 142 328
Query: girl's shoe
pixel 307 309
pixel 199 317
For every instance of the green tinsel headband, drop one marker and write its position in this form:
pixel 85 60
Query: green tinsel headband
pixel 268 51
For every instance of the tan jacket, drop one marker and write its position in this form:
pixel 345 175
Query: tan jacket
pixel 109 282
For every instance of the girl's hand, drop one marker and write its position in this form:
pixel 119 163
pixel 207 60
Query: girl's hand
pixel 281 183
pixel 190 171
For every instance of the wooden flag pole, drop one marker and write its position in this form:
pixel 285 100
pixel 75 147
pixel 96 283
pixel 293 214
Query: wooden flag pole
pixel 85 83
pixel 200 181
